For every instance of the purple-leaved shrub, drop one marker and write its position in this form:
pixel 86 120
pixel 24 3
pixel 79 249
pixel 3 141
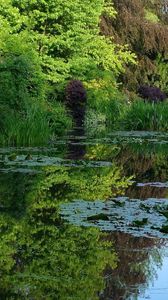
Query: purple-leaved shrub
pixel 151 93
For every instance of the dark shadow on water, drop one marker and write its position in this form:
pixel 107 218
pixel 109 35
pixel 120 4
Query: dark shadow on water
pixel 76 150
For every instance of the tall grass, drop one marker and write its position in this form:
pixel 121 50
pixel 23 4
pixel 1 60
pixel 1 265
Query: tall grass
pixel 30 128
pixel 34 126
pixel 142 115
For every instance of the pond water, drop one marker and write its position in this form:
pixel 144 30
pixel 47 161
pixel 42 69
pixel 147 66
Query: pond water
pixel 85 217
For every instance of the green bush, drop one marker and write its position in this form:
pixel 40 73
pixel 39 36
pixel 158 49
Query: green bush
pixel 59 119
pixel 160 78
pixel 21 77
pixel 26 118
pixel 105 100
pixel 30 128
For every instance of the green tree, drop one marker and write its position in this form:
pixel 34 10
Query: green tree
pixel 68 37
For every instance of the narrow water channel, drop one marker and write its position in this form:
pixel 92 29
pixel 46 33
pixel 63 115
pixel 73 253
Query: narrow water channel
pixel 85 218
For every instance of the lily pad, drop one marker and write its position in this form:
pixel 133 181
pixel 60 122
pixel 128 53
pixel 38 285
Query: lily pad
pixel 139 223
pixel 129 217
pixel 98 217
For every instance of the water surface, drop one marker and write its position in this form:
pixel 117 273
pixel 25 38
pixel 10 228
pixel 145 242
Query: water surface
pixel 85 217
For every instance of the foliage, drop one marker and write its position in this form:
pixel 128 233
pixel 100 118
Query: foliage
pixel 26 117
pixel 151 93
pixel 21 78
pixel 58 118
pixel 160 78
pixel 146 116
pixel 43 45
pixel 75 93
pixel 68 37
pixel 10 18
pixel 143 27
pixel 34 126
pixel 44 257
pixel 151 17
pixel 105 99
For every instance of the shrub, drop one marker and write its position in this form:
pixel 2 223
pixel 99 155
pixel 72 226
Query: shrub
pixel 21 77
pixel 26 118
pixel 151 93
pixel 28 128
pixel 34 126
pixel 106 103
pixel 160 78
pixel 58 119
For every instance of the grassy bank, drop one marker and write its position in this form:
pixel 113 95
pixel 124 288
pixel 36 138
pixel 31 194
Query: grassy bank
pixel 142 115
pixel 34 126
pixel 135 115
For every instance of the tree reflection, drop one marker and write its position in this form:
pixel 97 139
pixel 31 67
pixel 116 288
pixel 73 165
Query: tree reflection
pixel 43 258
pixel 138 261
pixel 13 188
pixel 147 164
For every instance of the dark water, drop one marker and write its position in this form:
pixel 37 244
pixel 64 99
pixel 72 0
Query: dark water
pixel 85 218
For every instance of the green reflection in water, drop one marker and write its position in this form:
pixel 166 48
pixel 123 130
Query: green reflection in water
pixel 145 160
pixel 40 256
pixel 85 182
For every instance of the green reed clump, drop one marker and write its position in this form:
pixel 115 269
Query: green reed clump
pixel 142 115
pixel 34 126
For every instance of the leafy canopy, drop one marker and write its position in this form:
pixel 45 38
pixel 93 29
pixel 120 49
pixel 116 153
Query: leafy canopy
pixel 67 34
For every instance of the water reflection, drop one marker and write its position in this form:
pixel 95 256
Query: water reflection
pixel 144 162
pixel 44 257
pixel 139 260
pixel 76 149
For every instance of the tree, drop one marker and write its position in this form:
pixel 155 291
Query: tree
pixel 68 37
pixel 141 25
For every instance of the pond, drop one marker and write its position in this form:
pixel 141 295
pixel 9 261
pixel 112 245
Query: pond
pixel 85 217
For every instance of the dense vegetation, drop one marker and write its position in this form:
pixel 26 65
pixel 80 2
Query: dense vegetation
pixel 46 44
pixel 143 26
pixel 64 64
